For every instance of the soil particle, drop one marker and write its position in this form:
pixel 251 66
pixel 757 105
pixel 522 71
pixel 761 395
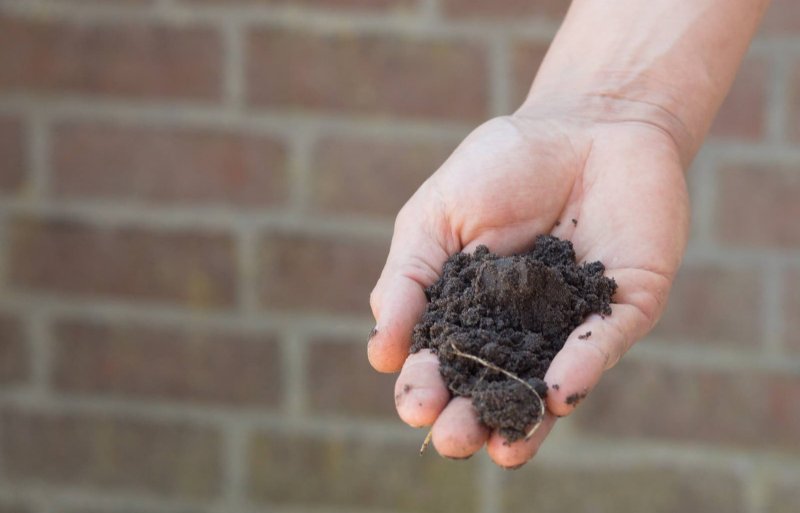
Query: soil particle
pixel 574 222
pixel 577 397
pixel 585 335
pixel 372 333
pixel 513 313
pixel 556 386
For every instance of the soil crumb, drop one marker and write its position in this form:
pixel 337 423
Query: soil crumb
pixel 574 399
pixel 514 313
pixel 585 335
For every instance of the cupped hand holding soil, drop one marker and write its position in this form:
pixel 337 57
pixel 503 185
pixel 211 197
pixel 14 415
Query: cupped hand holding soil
pixel 510 181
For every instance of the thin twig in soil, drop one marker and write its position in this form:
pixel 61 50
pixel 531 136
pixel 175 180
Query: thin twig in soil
pixel 426 442
pixel 510 375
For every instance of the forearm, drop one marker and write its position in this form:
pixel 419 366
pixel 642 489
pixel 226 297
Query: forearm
pixel 673 60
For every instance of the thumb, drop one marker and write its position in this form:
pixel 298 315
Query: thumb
pixel 419 249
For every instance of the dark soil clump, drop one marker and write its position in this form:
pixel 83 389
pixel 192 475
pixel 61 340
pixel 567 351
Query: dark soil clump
pixel 514 313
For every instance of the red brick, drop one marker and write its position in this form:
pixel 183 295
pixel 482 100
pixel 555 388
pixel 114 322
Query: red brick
pixel 782 17
pixel 791 310
pixel 712 304
pixel 505 10
pixel 128 360
pixel 757 205
pixel 328 274
pixel 65 257
pixel 526 57
pixel 783 495
pixel 14 358
pixel 731 408
pixel 372 176
pixel 628 488
pixel 12 154
pixel 743 114
pixel 331 5
pixel 366 74
pixel 341 381
pixel 132 60
pixel 167 165
pixel 110 453
pixel 296 469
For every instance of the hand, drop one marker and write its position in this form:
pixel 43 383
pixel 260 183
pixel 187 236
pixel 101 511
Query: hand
pixel 512 179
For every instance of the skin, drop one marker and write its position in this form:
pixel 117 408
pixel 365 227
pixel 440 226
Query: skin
pixel 617 112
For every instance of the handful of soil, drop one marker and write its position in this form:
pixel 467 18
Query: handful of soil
pixel 497 322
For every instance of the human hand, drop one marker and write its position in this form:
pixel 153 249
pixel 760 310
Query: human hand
pixel 621 178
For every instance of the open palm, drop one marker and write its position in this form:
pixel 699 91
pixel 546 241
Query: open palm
pixel 616 190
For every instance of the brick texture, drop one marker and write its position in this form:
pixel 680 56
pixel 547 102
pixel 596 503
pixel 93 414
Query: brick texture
pixel 342 383
pixel 384 6
pixel 295 469
pixel 372 176
pixel 376 75
pixel 505 10
pixel 622 490
pixel 769 214
pixel 783 496
pixel 12 154
pixel 110 453
pixel 739 409
pixel 167 363
pixel 526 57
pixel 791 309
pixel 130 60
pixel 707 306
pixel 743 114
pixel 782 18
pixel 14 358
pixel 168 165
pixel 63 257
pixel 337 274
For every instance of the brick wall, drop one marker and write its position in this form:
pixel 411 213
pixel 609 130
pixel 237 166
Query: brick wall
pixel 196 198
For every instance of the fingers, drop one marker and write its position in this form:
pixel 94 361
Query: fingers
pixel 598 344
pixel 515 454
pixel 398 300
pixel 458 433
pixel 420 394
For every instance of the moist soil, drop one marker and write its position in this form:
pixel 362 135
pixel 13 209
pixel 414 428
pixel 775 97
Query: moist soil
pixel 513 313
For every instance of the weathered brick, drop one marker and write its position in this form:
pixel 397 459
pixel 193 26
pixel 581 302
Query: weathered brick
pixel 743 114
pixel 367 74
pixel 783 494
pixel 782 17
pixel 67 257
pixel 121 59
pixel 104 452
pixel 12 154
pixel 130 360
pixel 404 6
pixel 757 205
pixel 14 507
pixel 296 469
pixel 373 176
pixel 305 272
pixel 341 381
pixel 714 304
pixel 505 10
pixel 526 57
pixel 731 408
pixel 791 310
pixel 622 489
pixel 14 357
pixel 168 165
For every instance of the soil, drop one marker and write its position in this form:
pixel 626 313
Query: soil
pixel 492 319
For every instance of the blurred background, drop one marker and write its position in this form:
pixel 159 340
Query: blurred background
pixel 196 197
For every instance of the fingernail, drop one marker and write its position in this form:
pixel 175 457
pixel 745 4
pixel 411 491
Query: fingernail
pixel 459 458
pixel 513 467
